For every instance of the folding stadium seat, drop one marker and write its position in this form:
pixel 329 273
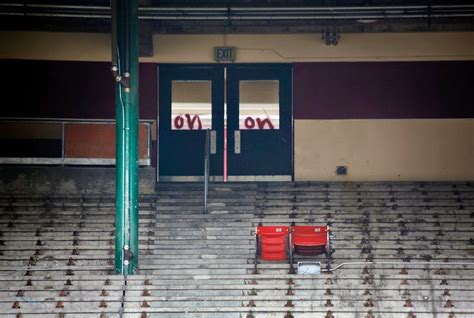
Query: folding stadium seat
pixel 311 240
pixel 272 243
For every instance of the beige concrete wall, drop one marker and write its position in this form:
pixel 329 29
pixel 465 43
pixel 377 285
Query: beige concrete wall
pixel 55 46
pixel 171 48
pixel 378 150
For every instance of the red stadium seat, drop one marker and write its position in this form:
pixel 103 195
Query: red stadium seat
pixel 272 243
pixel 309 240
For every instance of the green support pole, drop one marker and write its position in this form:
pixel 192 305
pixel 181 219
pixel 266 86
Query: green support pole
pixel 125 46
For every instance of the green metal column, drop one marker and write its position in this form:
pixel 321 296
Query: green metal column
pixel 125 69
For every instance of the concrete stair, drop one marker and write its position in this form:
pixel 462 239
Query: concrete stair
pixel 408 250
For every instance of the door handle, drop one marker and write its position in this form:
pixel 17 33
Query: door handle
pixel 237 142
pixel 213 142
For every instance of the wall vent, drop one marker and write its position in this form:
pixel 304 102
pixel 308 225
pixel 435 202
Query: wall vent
pixel 341 170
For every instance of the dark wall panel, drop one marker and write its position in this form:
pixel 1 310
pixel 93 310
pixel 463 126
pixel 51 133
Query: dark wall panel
pixel 58 89
pixel 370 90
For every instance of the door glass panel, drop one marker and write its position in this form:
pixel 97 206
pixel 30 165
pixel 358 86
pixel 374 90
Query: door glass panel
pixel 191 105
pixel 259 105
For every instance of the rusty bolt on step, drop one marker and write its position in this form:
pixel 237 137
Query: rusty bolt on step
pixel 369 303
pixel 71 262
pixel 440 271
pixel 449 304
pixel 403 271
pixel 451 315
pixel 411 314
pixel 329 314
pixel 250 315
pixel 102 304
pixel 367 280
pixel 145 304
pixel 444 282
pixel 146 292
pixel 289 303
pixel 32 261
pixel 289 315
pixel 370 314
pixel 59 304
pixel 16 305
pixel 104 293
pixel 408 303
pixel 328 292
pixel 328 303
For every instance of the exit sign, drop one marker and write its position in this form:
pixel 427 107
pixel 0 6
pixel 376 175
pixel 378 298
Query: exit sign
pixel 224 54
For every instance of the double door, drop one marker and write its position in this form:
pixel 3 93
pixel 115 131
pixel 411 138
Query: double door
pixel 247 109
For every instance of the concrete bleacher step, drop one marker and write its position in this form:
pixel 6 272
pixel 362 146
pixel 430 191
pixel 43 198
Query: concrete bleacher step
pixel 202 265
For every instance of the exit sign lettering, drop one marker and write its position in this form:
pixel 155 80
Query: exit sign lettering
pixel 224 54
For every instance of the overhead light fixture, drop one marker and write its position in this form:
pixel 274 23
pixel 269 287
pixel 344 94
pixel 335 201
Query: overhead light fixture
pixel 330 35
pixel 367 20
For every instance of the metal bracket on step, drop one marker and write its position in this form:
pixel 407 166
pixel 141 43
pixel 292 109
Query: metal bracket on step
pixel 309 268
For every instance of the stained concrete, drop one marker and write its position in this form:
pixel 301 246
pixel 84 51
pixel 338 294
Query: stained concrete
pixel 67 180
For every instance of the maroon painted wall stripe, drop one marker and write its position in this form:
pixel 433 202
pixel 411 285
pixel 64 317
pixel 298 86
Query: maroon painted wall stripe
pixel 58 89
pixel 371 90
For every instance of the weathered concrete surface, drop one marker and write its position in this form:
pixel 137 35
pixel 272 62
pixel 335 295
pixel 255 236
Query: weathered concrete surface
pixel 412 244
pixel 67 180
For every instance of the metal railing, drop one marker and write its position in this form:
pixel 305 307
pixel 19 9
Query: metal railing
pixel 64 159
pixel 207 155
